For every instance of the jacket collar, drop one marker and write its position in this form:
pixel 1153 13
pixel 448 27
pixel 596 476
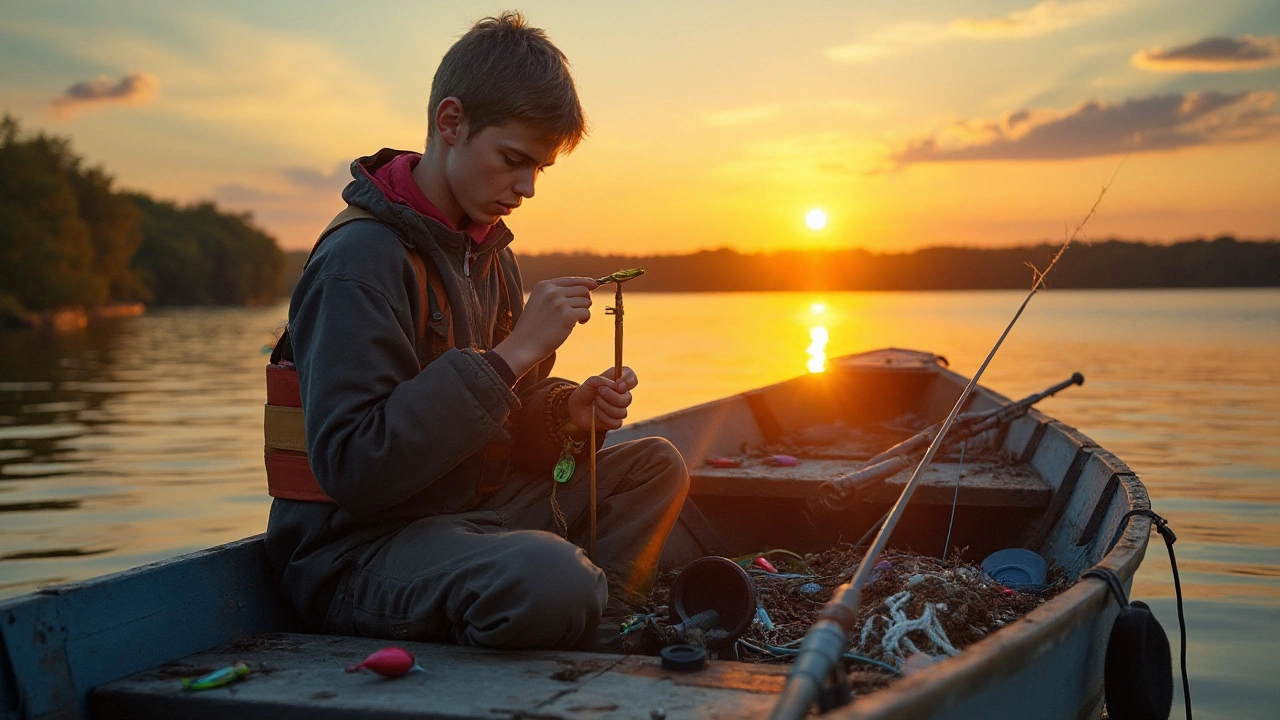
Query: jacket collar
pixel 408 223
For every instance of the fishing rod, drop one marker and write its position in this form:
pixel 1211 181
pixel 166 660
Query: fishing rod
pixel 616 311
pixel 838 493
pixel 817 673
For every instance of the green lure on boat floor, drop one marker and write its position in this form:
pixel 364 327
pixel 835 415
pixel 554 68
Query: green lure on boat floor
pixel 217 678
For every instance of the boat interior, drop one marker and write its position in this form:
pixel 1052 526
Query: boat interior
pixel 1032 482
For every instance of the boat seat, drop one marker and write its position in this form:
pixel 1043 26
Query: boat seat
pixel 982 485
pixel 301 676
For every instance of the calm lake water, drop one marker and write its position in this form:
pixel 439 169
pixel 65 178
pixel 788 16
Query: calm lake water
pixel 140 439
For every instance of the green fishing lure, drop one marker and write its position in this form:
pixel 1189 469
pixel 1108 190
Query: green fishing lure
pixel 621 276
pixel 217 678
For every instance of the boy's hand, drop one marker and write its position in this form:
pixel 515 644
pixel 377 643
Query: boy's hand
pixel 554 307
pixel 610 399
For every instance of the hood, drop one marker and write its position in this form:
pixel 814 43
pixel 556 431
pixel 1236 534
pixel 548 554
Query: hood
pixel 412 226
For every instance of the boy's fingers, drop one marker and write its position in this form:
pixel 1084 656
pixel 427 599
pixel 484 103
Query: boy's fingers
pixel 608 420
pixel 629 379
pixel 610 409
pixel 575 291
pixel 573 281
pixel 614 398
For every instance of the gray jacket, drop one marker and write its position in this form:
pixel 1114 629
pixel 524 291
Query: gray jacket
pixel 389 440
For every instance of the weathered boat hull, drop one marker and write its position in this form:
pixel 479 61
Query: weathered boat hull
pixel 61 643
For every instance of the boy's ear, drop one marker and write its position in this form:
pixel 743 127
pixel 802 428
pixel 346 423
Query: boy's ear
pixel 450 123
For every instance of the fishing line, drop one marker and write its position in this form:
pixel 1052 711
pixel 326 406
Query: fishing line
pixel 871 529
pixel 955 500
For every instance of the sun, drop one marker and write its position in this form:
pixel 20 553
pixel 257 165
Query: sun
pixel 816 219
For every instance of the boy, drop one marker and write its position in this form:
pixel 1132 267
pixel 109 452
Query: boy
pixel 431 425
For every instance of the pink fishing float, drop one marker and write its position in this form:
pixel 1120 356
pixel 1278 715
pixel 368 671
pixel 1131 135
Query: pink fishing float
pixel 763 564
pixel 389 662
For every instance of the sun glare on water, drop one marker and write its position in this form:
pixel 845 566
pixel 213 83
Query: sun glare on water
pixel 816 219
pixel 818 337
pixel 817 349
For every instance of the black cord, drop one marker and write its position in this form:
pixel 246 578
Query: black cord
pixel 1108 576
pixel 955 500
pixel 1162 527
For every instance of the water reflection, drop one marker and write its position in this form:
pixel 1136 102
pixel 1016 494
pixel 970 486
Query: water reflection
pixel 137 440
pixel 817 349
pixel 129 442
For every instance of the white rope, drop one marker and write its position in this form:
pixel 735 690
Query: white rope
pixel 895 640
pixel 867 629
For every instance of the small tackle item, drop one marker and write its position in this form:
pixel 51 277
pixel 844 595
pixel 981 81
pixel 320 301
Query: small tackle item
pixel 389 662
pixel 683 658
pixel 782 461
pixel 764 565
pixel 621 276
pixel 725 463
pixel 217 678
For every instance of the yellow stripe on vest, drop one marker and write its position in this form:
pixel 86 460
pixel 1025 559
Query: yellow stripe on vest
pixel 284 428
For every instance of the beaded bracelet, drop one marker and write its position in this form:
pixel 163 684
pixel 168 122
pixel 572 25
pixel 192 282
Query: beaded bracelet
pixel 556 409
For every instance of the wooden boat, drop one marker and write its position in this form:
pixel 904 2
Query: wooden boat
pixel 115 647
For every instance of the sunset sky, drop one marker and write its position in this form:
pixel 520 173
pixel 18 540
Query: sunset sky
pixel 713 124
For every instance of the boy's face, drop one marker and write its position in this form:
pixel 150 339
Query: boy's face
pixel 492 172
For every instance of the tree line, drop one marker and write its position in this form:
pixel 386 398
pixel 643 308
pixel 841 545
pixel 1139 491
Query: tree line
pixel 67 238
pixel 1221 262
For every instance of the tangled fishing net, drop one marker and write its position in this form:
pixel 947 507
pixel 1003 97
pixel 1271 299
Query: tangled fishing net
pixel 915 610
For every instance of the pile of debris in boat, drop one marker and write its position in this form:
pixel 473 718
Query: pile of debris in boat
pixel 915 611
pixel 839 440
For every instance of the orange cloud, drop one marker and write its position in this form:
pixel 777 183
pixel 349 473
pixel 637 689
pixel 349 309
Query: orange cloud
pixel 1044 17
pixel 1213 54
pixel 1098 128
pixel 134 89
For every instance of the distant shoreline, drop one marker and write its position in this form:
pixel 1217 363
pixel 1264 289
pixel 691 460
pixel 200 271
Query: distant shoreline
pixel 72 317
pixel 1113 264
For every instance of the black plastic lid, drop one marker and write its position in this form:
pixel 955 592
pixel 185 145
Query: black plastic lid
pixel 683 658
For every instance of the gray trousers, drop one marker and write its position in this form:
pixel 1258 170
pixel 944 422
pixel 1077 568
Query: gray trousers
pixel 497 576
